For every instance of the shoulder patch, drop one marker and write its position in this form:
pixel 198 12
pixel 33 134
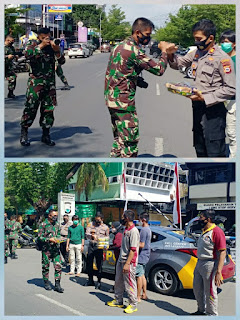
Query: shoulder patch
pixel 211 51
pixel 226 63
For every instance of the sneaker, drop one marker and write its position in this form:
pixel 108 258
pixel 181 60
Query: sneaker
pixel 130 309
pixel 114 303
pixel 198 313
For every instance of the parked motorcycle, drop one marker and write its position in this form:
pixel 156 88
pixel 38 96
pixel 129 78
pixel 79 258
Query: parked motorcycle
pixel 21 65
pixel 26 238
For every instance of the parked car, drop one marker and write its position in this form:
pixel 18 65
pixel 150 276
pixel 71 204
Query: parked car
pixel 105 47
pixel 188 70
pixel 182 51
pixel 154 50
pixel 78 50
pixel 172 261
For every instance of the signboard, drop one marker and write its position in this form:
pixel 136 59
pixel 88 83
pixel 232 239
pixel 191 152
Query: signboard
pixel 66 205
pixel 217 206
pixel 86 210
pixel 58 17
pixel 82 34
pixel 64 8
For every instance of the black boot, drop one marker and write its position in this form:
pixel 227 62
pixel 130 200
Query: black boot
pixel 46 137
pixel 14 256
pixel 89 283
pixel 58 287
pixel 5 260
pixel 66 87
pixel 11 95
pixel 98 285
pixel 47 285
pixel 24 137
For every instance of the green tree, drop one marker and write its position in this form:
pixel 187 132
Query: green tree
pixel 89 177
pixel 113 25
pixel 88 14
pixel 11 15
pixel 34 184
pixel 179 28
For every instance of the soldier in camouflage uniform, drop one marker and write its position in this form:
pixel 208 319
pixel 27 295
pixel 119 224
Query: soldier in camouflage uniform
pixel 59 72
pixel 10 75
pixel 49 234
pixel 15 229
pixel 126 62
pixel 41 89
pixel 6 236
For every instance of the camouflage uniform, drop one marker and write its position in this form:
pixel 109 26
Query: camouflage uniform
pixel 50 250
pixel 41 87
pixel 59 72
pixel 6 236
pixel 10 75
pixel 126 62
pixel 15 228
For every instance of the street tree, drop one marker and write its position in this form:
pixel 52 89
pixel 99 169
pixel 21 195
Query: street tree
pixel 88 14
pixel 89 177
pixel 11 15
pixel 34 184
pixel 179 27
pixel 114 26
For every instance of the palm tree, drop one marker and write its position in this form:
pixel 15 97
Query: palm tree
pixel 89 177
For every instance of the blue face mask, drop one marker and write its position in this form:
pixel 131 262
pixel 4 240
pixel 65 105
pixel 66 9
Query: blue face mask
pixel 75 222
pixel 226 47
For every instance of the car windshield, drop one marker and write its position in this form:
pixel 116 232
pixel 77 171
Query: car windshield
pixel 75 46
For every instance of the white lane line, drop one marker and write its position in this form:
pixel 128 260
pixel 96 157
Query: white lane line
pixel 61 305
pixel 157 89
pixel 158 150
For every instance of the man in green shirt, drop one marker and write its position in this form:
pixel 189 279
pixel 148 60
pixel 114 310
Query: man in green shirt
pixel 75 244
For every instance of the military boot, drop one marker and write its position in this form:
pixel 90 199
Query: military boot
pixel 11 94
pixel 58 288
pixel 66 87
pixel 47 285
pixel 14 256
pixel 24 137
pixel 46 137
pixel 5 260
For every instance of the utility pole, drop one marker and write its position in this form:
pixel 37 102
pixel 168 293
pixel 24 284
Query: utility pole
pixel 100 33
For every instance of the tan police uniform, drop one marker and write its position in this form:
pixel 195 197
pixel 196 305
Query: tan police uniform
pixel 214 76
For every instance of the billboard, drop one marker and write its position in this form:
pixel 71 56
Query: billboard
pixel 58 17
pixel 66 205
pixel 82 34
pixel 63 8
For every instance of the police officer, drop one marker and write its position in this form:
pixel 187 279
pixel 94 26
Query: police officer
pixel 6 236
pixel 214 75
pixel 15 228
pixel 96 229
pixel 49 234
pixel 10 75
pixel 126 62
pixel 41 89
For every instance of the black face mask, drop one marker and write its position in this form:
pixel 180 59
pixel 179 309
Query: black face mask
pixel 202 223
pixel 144 39
pixel 5 218
pixel 54 220
pixel 98 223
pixel 201 45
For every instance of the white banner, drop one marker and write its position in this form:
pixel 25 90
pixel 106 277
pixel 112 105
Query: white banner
pixel 66 205
pixel 217 206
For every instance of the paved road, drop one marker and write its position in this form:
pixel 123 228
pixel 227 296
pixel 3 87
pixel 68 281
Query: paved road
pixel 25 296
pixel 82 122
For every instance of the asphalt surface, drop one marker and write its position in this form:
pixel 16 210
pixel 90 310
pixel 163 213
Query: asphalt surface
pixel 25 295
pixel 82 123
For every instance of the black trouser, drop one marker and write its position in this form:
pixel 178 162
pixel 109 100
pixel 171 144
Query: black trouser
pixel 209 125
pixel 93 251
pixel 63 246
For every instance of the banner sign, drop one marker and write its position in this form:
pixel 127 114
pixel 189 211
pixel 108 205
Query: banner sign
pixel 64 8
pixel 217 206
pixel 66 205
pixel 58 17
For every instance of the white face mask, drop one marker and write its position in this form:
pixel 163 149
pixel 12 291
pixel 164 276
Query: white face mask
pixel 140 223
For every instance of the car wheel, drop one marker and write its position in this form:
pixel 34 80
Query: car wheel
pixel 189 72
pixel 163 280
pixel 70 57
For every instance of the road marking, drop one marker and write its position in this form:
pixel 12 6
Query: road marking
pixel 158 150
pixel 61 305
pixel 157 89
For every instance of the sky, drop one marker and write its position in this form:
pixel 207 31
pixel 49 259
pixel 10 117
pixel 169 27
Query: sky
pixel 157 13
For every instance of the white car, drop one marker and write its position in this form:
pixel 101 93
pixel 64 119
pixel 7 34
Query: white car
pixel 78 50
